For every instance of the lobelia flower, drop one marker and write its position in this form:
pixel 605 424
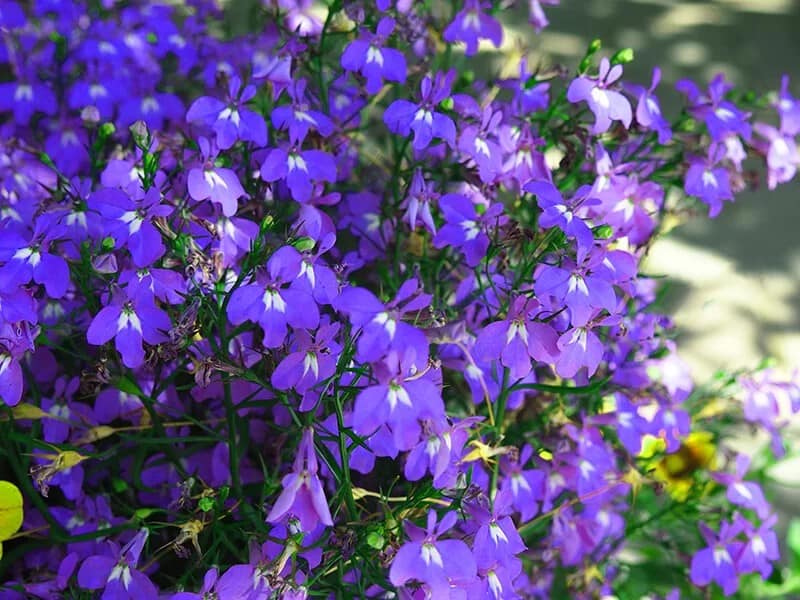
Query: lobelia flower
pixel 709 182
pixel 218 184
pixel 517 340
pixel 438 451
pixel 761 548
pixel 471 24
pixel 536 17
pixel 556 212
pixel 606 104
pixel 382 328
pixel 404 117
pixel 400 401
pixel 298 117
pixel 497 536
pixel 129 321
pixel 151 107
pixel 579 347
pixel 129 221
pixel 34 259
pixel 300 169
pixel 781 153
pixel 421 194
pixel 208 591
pixel 26 97
pixel 716 561
pixel 313 360
pixel 746 494
pixel 721 116
pixel 648 110
pixel 230 120
pixel 464 228
pixel 475 143
pixel 522 489
pixel 115 573
pixel 302 496
pixel 788 109
pixel 273 305
pixel 437 563
pixel 368 56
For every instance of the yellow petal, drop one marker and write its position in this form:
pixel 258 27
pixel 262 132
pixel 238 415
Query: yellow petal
pixel 10 509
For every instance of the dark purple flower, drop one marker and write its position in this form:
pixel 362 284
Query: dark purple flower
pixel 471 24
pixel 34 259
pixel 129 322
pixel 302 496
pixel 368 56
pixel 116 572
pixel 298 117
pixel 404 117
pixel 271 303
pixel 230 120
pixel 301 169
pixel 427 559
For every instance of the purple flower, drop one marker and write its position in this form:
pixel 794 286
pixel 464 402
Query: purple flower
pixel 781 153
pixel 521 488
pixel 129 221
pixel 721 116
pixel 368 56
pixel 403 117
pixel 129 322
pixel 708 182
pixel 517 339
pixel 427 559
pixel 299 168
pixel 421 194
pixel 10 379
pixel 580 347
pixel 497 536
pixel 476 143
pixel 399 400
pixel 471 24
pixel 606 104
pixel 746 494
pixel 298 117
pixel 218 184
pixel 34 259
pixel 116 573
pixel 26 97
pixel 208 591
pixel 382 327
pixel 648 111
pixel 437 452
pixel 230 120
pixel 152 108
pixel 536 17
pixel 761 548
pixel 313 360
pixel 302 496
pixel 788 109
pixel 716 561
pixel 272 304
pixel 464 228
pixel 556 212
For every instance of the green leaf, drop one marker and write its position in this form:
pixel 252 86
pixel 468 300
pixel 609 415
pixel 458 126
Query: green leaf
pixel 376 540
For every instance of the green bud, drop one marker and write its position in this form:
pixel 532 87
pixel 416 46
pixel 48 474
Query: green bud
pixel 594 46
pixel 376 540
pixel 623 57
pixel 603 232
pixel 151 38
pixel 150 163
pixel 447 103
pixel 119 485
pixel 205 504
pixel 304 244
pixel 106 130
pixel 108 243
pixel 222 493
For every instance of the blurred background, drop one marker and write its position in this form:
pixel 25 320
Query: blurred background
pixel 735 281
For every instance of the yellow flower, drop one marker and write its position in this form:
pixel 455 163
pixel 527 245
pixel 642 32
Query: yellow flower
pixel 676 470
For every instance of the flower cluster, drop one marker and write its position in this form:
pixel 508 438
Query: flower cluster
pixel 315 310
